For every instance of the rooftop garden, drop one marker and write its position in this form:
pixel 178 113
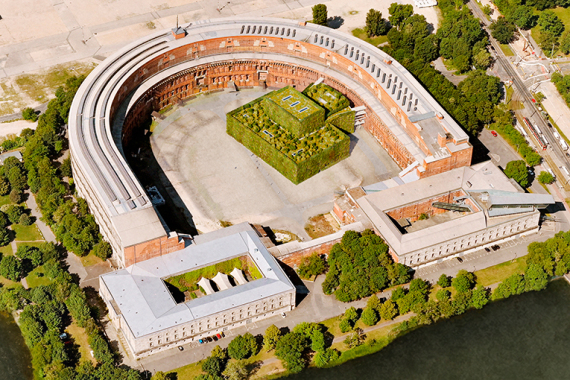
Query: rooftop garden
pixel 296 147
pixel 185 286
pixel 327 97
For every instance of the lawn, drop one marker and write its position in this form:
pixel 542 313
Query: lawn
pixel 361 33
pixel 27 233
pixel 79 337
pixel 507 50
pixel 564 15
pixel 6 250
pixel 4 200
pixel 37 277
pixel 498 273
pixel 90 259
pixel 188 372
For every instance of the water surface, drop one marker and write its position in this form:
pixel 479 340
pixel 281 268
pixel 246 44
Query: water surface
pixel 15 359
pixel 524 337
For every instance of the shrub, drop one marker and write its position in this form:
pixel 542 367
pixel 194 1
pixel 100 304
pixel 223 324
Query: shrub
pixel 545 178
pixel 444 281
pixel 311 266
pixel 29 114
pixel 25 220
pixel 103 250
pixel 16 196
pixel 518 171
pixel 370 316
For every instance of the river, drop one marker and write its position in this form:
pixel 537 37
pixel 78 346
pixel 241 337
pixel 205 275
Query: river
pixel 523 337
pixel 15 360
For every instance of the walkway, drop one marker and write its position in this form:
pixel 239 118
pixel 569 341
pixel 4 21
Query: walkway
pixel 35 212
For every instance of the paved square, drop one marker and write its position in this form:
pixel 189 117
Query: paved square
pixel 218 179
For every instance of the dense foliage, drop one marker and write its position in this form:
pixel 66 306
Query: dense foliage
pixel 518 171
pixel 320 14
pixel 360 265
pixel 375 24
pixel 312 266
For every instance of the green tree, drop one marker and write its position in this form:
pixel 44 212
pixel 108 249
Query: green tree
pixel 518 171
pixel 354 339
pixel 320 14
pixel 29 114
pixel 4 237
pixel 480 297
pixel 290 349
pixel 420 286
pixel 427 49
pixel 212 366
pixel 464 281
pixel 375 24
pixel 522 16
pixel 242 346
pixel 25 220
pixel 66 168
pixel 535 277
pixel 374 303
pixel 14 213
pixel 443 295
pixel 482 59
pixel 388 311
pixel 11 268
pixel 311 266
pixel 271 337
pixel 550 23
pixel 17 178
pixel 220 353
pixel 4 186
pixel 444 281
pixel 399 13
pixel 545 178
pixel 503 30
pixel 103 250
pixel 369 316
pixel 565 42
pixel 236 370
pixel 344 326
pixel 159 376
pixel 16 196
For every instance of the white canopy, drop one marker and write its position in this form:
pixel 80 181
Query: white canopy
pixel 222 281
pixel 206 285
pixel 237 274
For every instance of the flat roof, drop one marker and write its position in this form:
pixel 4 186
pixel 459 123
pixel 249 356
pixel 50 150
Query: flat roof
pixel 148 307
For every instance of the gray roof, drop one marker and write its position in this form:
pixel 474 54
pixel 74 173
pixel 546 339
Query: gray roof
pixel 481 178
pixel 147 306
pixel 100 105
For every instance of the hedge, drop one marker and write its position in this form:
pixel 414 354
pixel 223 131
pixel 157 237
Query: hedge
pixel 280 111
pixel 343 120
pixel 332 100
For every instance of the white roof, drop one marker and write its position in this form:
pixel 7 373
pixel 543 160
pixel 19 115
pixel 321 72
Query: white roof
pixel 222 281
pixel 237 274
pixel 147 306
pixel 206 285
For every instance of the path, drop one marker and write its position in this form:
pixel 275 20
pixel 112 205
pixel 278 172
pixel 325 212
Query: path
pixel 35 212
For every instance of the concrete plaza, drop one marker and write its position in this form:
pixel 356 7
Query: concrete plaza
pixel 218 179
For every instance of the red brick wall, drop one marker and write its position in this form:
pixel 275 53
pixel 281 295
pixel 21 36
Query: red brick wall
pixel 294 259
pixel 150 249
pixel 413 211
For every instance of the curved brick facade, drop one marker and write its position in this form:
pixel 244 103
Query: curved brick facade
pixel 163 68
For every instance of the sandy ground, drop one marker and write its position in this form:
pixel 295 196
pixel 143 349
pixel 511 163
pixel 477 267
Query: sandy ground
pixel 217 178
pixel 15 127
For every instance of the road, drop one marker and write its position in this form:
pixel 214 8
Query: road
pixel 554 149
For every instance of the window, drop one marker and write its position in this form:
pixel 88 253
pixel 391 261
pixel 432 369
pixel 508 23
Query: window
pixel 150 344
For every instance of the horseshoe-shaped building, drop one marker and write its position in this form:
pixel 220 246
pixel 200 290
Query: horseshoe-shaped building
pixel 168 66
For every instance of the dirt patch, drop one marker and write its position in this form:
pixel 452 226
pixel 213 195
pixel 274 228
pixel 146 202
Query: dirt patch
pixel 321 225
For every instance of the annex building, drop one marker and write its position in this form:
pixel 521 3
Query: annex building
pixel 168 66
pixel 143 309
pixel 445 215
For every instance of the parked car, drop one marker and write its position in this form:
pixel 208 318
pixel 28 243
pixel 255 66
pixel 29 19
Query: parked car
pixel 459 259
pixel 180 348
pixel 201 341
pixel 219 336
pixel 487 249
pixel 494 133
pixel 215 338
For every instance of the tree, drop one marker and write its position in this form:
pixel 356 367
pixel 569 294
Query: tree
pixel 464 281
pixel 503 30
pixel 242 346
pixel 482 59
pixel 545 178
pixel 14 213
pixel 219 352
pixel 427 49
pixel 535 277
pixel 290 350
pixel 159 376
pixel 271 337
pixel 17 178
pixel 311 266
pixel 388 310
pixel 11 268
pixel 444 281
pixel 344 326
pixel 4 237
pixel 522 16
pixel 550 23
pixel 369 316
pixel 374 303
pixel 16 196
pixel 66 168
pixel 25 220
pixel 29 114
pixel 565 42
pixel 236 370
pixel 480 297
pixel 212 366
pixel 4 186
pixel 375 24
pixel 354 339
pixel 103 250
pixel 420 286
pixel 320 14
pixel 443 295
pixel 399 13
pixel 518 171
